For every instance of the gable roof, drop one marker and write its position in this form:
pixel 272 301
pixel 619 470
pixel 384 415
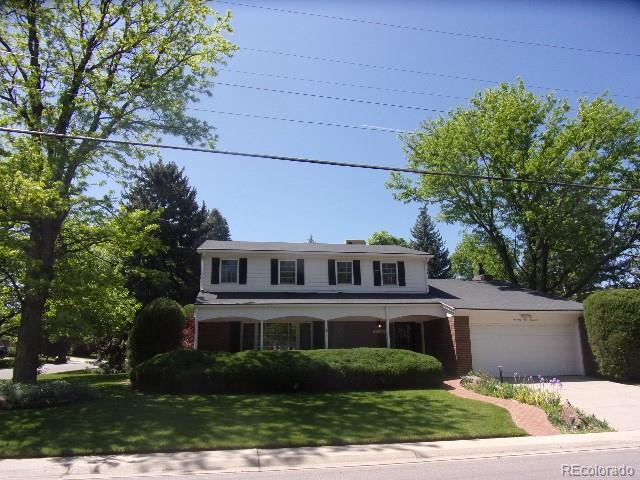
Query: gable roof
pixel 284 247
pixel 455 294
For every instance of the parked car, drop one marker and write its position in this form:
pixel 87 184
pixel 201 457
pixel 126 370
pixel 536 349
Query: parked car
pixel 4 351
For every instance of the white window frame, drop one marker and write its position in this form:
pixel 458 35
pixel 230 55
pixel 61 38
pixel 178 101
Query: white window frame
pixel 237 260
pixel 338 282
pixel 295 272
pixel 382 264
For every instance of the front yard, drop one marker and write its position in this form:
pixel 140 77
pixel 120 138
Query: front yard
pixel 122 420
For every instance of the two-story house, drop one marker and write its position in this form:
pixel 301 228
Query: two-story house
pixel 269 295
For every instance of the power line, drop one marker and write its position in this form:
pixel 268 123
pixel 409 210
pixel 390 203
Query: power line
pixel 474 36
pixel 330 97
pixel 297 120
pixel 417 72
pixel 322 162
pixel 342 84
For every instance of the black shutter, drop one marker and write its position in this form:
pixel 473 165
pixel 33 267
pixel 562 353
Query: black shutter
pixel 215 270
pixel 242 274
pixel 356 273
pixel 300 272
pixel 331 270
pixel 274 271
pixel 377 275
pixel 401 280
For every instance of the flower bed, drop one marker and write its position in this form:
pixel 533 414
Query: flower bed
pixel 540 392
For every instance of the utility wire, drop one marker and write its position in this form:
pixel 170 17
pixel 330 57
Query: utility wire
pixel 434 30
pixel 297 120
pixel 342 84
pixel 329 97
pixel 417 72
pixel 322 162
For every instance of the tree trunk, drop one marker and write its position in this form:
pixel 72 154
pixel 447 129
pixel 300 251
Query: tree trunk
pixel 38 280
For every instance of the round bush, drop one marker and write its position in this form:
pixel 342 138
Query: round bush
pixel 157 329
pixel 255 371
pixel 612 319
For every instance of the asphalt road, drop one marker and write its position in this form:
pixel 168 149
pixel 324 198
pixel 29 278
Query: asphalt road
pixel 526 467
pixel 73 364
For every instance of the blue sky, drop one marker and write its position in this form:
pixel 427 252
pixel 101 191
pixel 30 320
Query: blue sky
pixel 266 200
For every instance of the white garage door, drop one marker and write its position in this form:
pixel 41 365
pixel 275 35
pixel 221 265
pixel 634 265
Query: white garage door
pixel 529 348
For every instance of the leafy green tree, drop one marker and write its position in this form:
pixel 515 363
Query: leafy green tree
pixel 175 271
pixel 385 238
pixel 473 251
pixel 216 226
pixel 426 238
pixel 101 69
pixel 570 240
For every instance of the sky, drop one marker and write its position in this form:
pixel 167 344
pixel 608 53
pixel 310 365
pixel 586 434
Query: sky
pixel 265 200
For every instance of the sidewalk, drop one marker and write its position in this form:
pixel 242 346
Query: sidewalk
pixel 255 460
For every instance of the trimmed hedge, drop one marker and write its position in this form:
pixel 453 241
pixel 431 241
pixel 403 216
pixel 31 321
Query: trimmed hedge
pixel 254 371
pixel 612 319
pixel 50 393
pixel 157 329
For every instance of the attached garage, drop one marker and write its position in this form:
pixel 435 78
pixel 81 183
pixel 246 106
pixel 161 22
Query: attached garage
pixel 529 343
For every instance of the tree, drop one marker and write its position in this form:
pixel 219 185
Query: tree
pixel 426 238
pixel 311 239
pixel 473 251
pixel 175 272
pixel 100 69
pixel 569 240
pixel 216 226
pixel 385 238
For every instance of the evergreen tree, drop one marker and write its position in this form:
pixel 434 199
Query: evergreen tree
pixel 216 226
pixel 427 239
pixel 174 272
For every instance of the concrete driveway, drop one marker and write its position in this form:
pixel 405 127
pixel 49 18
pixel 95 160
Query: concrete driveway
pixel 616 403
pixel 73 364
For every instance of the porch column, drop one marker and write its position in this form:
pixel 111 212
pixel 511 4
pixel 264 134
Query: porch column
pixel 195 333
pixel 424 350
pixel 386 320
pixel 326 334
pixel 261 334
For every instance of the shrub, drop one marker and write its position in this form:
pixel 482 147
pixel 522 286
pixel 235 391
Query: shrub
pixel 157 329
pixel 42 394
pixel 112 354
pixel 612 319
pixel 189 331
pixel 254 371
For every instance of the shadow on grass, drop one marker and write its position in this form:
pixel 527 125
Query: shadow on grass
pixel 122 420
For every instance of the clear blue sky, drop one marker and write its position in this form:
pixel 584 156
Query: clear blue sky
pixel 266 200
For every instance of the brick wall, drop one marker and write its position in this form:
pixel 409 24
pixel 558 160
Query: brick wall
pixel 438 343
pixel 461 338
pixel 218 336
pixel 355 334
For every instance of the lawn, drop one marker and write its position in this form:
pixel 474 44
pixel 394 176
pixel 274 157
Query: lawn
pixel 122 420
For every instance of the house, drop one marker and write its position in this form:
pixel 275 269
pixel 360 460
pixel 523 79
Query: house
pixel 269 295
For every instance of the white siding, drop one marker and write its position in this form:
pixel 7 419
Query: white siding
pixel 316 277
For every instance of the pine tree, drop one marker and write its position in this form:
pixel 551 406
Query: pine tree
pixel 427 239
pixel 175 272
pixel 216 226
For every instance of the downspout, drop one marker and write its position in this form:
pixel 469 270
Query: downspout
pixel 326 333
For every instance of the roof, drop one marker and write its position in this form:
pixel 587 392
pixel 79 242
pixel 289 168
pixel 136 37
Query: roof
pixel 457 294
pixel 216 245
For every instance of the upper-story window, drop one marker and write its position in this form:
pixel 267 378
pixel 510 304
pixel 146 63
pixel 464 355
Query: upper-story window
pixel 287 272
pixel 344 272
pixel 389 273
pixel 229 271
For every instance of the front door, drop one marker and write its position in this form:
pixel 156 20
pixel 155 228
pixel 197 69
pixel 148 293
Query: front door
pixel 406 335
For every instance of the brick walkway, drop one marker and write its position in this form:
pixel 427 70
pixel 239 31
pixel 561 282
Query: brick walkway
pixel 531 419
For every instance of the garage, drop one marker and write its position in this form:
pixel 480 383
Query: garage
pixel 532 343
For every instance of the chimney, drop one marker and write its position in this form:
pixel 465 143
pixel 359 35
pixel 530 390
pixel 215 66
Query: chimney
pixel 482 275
pixel 355 242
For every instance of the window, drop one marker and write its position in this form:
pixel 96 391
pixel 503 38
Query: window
pixel 287 272
pixel 229 271
pixel 389 274
pixel 345 272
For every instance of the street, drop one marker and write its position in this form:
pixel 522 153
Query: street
pixel 522 467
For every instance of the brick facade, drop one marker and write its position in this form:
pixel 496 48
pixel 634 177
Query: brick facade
pixel 449 340
pixel 356 334
pixel 461 339
pixel 219 336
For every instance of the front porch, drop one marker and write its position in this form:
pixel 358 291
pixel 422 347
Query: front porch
pixel 421 328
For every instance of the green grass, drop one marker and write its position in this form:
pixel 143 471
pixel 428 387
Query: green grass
pixel 123 420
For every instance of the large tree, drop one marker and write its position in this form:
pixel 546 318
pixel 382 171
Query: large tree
pixel 473 251
pixel 216 226
pixel 427 239
pixel 173 272
pixel 385 238
pixel 102 69
pixel 568 240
